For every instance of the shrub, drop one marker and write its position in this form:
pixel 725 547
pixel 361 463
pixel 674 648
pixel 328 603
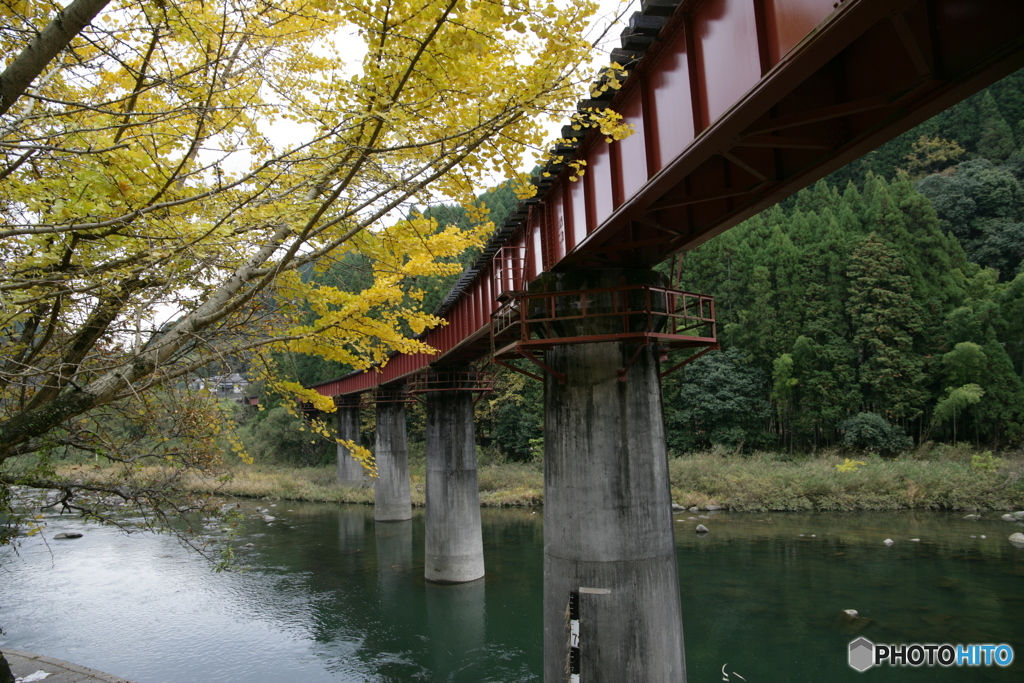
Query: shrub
pixel 277 436
pixel 871 432
pixel 986 462
pixel 515 429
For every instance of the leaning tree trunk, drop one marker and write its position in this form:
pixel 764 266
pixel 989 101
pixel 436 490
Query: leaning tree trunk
pixel 67 24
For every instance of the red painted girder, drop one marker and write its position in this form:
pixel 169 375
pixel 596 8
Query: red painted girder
pixel 802 108
pixel 738 104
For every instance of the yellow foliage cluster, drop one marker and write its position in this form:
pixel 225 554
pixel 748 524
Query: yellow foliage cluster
pixel 153 219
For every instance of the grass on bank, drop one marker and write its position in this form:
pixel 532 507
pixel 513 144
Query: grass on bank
pixel 943 478
pixel 504 485
pixel 766 481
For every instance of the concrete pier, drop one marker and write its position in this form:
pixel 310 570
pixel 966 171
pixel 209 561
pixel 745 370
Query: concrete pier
pixel 453 545
pixel 350 471
pixel 607 507
pixel 392 502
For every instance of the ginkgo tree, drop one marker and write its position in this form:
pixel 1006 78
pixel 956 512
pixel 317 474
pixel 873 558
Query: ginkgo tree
pixel 153 222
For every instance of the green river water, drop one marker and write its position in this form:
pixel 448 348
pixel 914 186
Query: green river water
pixel 330 596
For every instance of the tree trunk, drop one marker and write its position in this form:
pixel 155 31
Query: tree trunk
pixel 67 24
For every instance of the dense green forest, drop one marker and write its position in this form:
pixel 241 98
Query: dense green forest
pixel 880 308
pixel 851 315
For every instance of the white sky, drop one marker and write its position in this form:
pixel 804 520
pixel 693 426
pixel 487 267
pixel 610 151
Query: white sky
pixel 350 49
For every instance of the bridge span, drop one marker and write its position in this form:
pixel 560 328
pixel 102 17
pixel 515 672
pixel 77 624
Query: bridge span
pixel 736 104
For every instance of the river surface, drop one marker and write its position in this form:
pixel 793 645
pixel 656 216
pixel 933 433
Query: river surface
pixel 330 596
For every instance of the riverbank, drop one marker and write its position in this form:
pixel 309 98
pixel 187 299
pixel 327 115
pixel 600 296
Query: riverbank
pixel 958 481
pixel 26 664
pixel 501 485
pixel 764 482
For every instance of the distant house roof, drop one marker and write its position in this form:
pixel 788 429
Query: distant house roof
pixel 233 378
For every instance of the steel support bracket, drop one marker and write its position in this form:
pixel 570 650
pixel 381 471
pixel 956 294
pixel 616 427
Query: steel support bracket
pixel 428 381
pixel 713 347
pixel 559 376
pixel 624 371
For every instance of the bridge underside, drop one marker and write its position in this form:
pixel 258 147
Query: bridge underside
pixel 869 72
pixel 736 105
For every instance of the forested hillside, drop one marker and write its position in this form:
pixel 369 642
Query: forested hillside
pixel 885 301
pixel 850 302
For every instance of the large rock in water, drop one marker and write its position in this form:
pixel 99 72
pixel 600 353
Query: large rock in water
pixel 1017 538
pixel 1009 518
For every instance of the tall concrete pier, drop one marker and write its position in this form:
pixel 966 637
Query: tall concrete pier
pixel 607 504
pixel 453 545
pixel 350 471
pixel 391 501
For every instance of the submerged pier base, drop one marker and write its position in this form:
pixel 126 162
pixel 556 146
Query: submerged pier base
pixel 394 562
pixel 456 618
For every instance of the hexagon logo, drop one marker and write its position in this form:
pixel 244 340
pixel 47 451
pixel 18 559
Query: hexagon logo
pixel 862 654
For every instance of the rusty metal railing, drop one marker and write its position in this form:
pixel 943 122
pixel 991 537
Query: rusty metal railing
pixel 451 380
pixel 605 314
pixel 673 319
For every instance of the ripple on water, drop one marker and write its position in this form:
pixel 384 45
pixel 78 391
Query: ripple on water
pixel 336 599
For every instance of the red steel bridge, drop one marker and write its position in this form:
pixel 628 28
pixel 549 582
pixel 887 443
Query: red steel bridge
pixel 736 105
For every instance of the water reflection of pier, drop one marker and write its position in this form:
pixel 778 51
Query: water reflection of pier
pixel 455 619
pixel 394 562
